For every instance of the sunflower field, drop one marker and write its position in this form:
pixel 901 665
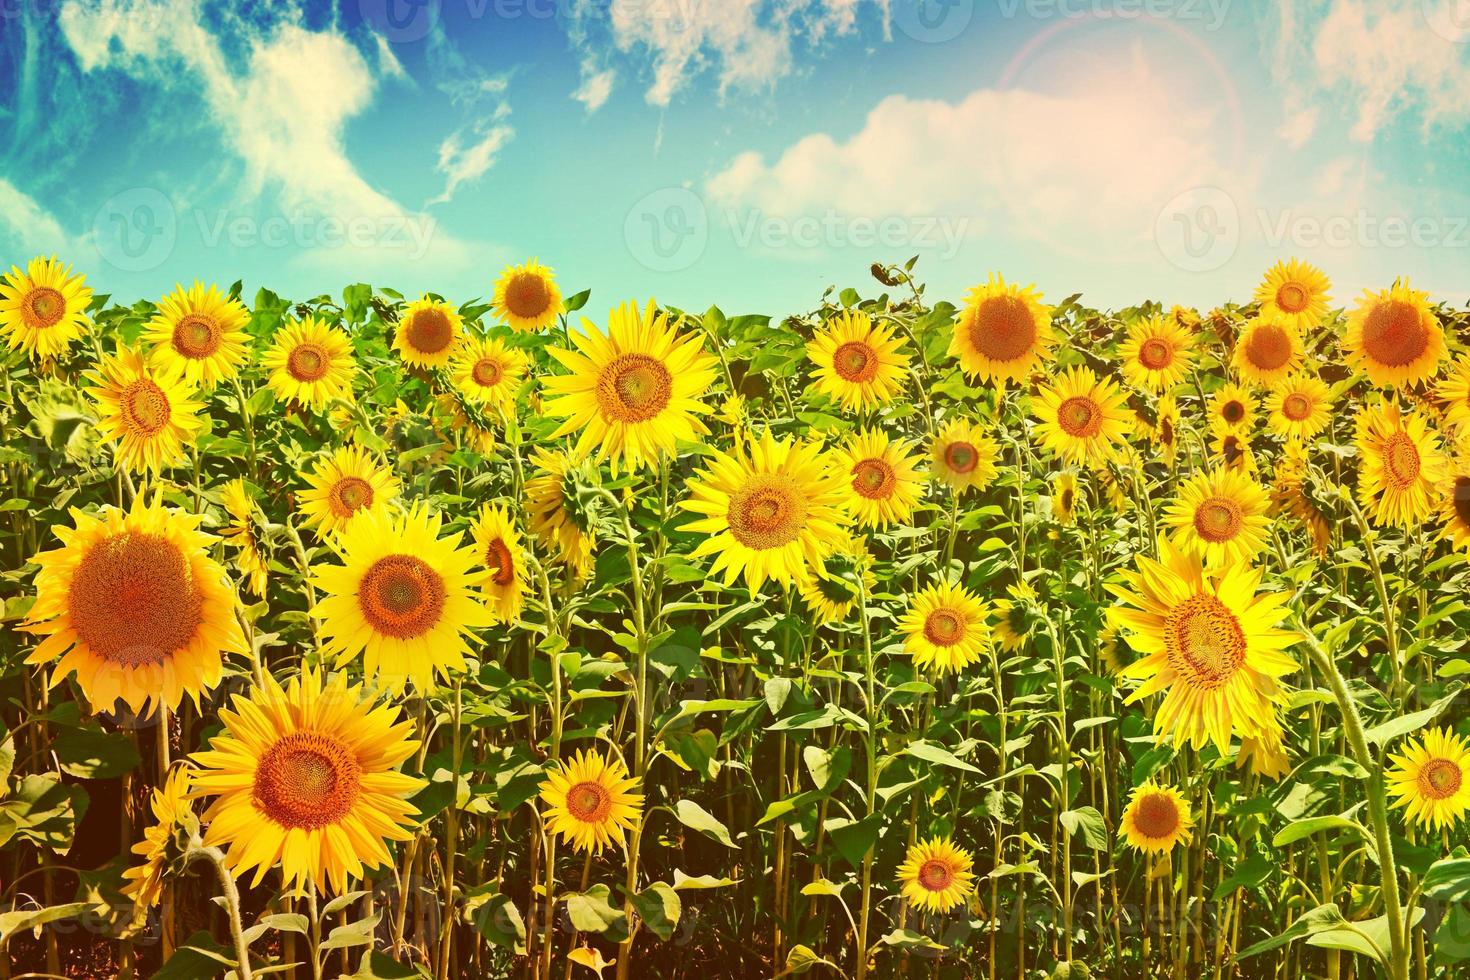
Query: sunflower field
pixel 367 636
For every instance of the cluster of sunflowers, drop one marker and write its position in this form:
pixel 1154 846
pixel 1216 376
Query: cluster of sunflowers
pixel 587 494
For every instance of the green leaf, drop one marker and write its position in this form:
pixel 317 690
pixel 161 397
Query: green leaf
pixel 200 958
pixel 1448 880
pixel 658 906
pixel 1089 822
pixel 90 753
pixel 13 922
pixel 1319 919
pixel 929 752
pixel 592 912
pixel 800 959
pixel 1250 874
pixel 908 939
pixel 357 933
pixel 1368 937
pixel 1404 724
pixel 380 966
pixel 496 918
pixel 854 840
pixel 1298 829
pixel 683 882
pixel 696 817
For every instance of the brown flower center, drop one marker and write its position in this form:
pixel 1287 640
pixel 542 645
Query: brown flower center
pixel 196 336
pixel 1080 417
pixel 307 780
pixel 401 596
pixel 43 307
pixel 1269 347
pixel 1292 297
pixel 873 479
pixel 1156 354
pixel 1204 642
pixel 1462 500
pixel 308 362
pixel 768 512
pixel 855 361
pixel 634 388
pixel 499 561
pixel 526 295
pixel 429 330
pixel 350 495
pixel 1296 406
pixel 144 407
pixel 961 456
pixel 589 802
pixel 1400 461
pixel 1003 329
pixel 1156 816
pixel 1218 519
pixel 133 600
pixel 1233 411
pixel 944 627
pixel 1394 334
pixel 1440 779
pixel 487 372
pixel 935 875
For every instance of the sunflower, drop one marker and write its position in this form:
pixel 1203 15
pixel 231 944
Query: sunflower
pixel 1082 418
pixel 1299 407
pixel 342 486
pixel 199 333
pixel 1265 754
pixel 935 875
pixel 1207 640
pixel 590 801
pixel 428 332
pixel 148 416
pixel 527 297
pixel 945 628
pixel 310 364
pixel 1294 293
pixel 1289 495
pixel 134 605
pixel 633 392
pixel 487 372
pixel 1232 447
pixel 170 804
pixel 859 363
pixel 403 599
pixel 308 777
pixel 1157 354
pixel 1156 818
pixel 1222 516
pixel 555 516
pixel 770 513
pixel 963 456
pixel 1454 496
pixel 1399 464
pixel 1268 351
pixel 242 532
pixel 882 479
pixel 1162 433
pixel 1003 333
pixel 43 309
pixel 1234 407
pixel 499 547
pixel 1064 498
pixel 1115 653
pixel 830 589
pixel 1431 778
pixel 1394 337
pixel 1012 626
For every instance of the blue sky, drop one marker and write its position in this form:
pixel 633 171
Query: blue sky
pixel 748 153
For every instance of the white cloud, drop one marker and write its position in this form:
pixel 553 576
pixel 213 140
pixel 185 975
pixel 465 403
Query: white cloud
pixel 462 162
pixel 29 226
pixel 597 85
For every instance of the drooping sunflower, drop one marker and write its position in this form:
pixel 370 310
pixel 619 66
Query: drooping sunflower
pixel 1265 754
pixel 427 333
pixel 963 456
pixel 860 364
pixel 199 333
pixel 556 519
pixel 1162 433
pixel 882 478
pixel 149 417
pixel 1234 407
pixel 634 392
pixel 243 532
pixel 1454 500
pixel 935 875
pixel 1431 778
pixel 1208 641
pixel 830 589
pixel 487 372
pixel 1156 818
pixel 526 297
pixel 1003 333
pixel 591 801
pixel 1394 337
pixel 1011 627
pixel 1453 395
pixel 769 513
pixel 1232 447
pixel 1156 354
pixel 43 309
pixel 1223 516
pixel 946 628
pixel 308 777
pixel 1064 498
pixel 349 482
pixel 500 552
pixel 310 363
pixel 170 803
pixel 1294 293
pixel 404 598
pixel 1399 464
pixel 1299 407
pixel 134 605
pixel 1082 418
pixel 1267 352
